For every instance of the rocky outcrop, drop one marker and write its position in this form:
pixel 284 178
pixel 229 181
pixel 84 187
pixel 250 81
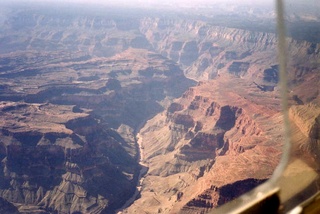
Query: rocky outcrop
pixel 216 196
pixel 306 136
pixel 75 89
pixel 218 129
pixel 59 155
pixel 205 50
pixel 211 135
pixel 65 164
pixel 71 110
pixel 307 118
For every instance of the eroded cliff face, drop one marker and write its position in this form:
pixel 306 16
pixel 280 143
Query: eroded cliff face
pixel 219 135
pixel 212 135
pixel 216 196
pixel 71 108
pixel 306 122
pixel 205 51
pixel 68 141
pixel 75 89
pixel 57 160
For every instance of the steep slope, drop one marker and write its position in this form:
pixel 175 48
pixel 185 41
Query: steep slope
pixel 95 169
pixel 307 119
pixel 70 108
pixel 213 135
pixel 205 51
pixel 217 142
pixel 221 133
pixel 43 148
pixel 75 88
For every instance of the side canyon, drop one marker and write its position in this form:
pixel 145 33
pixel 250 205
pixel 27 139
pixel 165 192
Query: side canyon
pixel 104 104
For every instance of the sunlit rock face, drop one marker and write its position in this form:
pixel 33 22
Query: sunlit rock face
pixel 213 135
pixel 306 120
pixel 222 131
pixel 78 90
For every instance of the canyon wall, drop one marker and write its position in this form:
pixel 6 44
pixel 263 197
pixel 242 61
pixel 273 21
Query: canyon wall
pixel 71 109
pixel 78 91
pixel 205 51
pixel 212 135
pixel 224 133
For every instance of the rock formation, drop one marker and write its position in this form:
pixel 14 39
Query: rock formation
pixel 307 120
pixel 70 111
pixel 53 158
pixel 91 102
pixel 221 130
pixel 211 135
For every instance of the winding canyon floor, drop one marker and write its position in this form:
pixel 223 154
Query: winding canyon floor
pixel 146 112
pixel 182 166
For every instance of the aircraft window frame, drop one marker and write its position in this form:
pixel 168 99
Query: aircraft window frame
pixel 271 196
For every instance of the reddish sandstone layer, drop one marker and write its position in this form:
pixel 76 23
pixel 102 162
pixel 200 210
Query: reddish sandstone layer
pixel 217 133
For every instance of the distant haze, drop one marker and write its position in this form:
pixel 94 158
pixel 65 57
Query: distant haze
pixel 182 3
pixel 157 2
pixel 309 5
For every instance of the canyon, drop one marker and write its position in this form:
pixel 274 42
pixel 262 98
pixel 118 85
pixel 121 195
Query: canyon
pixel 132 111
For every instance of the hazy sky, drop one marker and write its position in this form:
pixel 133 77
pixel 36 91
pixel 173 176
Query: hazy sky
pixel 156 2
pixel 314 4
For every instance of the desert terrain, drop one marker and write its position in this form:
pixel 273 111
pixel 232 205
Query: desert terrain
pixel 108 110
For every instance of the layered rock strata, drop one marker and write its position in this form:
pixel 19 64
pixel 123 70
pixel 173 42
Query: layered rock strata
pixel 212 135
pixel 76 88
